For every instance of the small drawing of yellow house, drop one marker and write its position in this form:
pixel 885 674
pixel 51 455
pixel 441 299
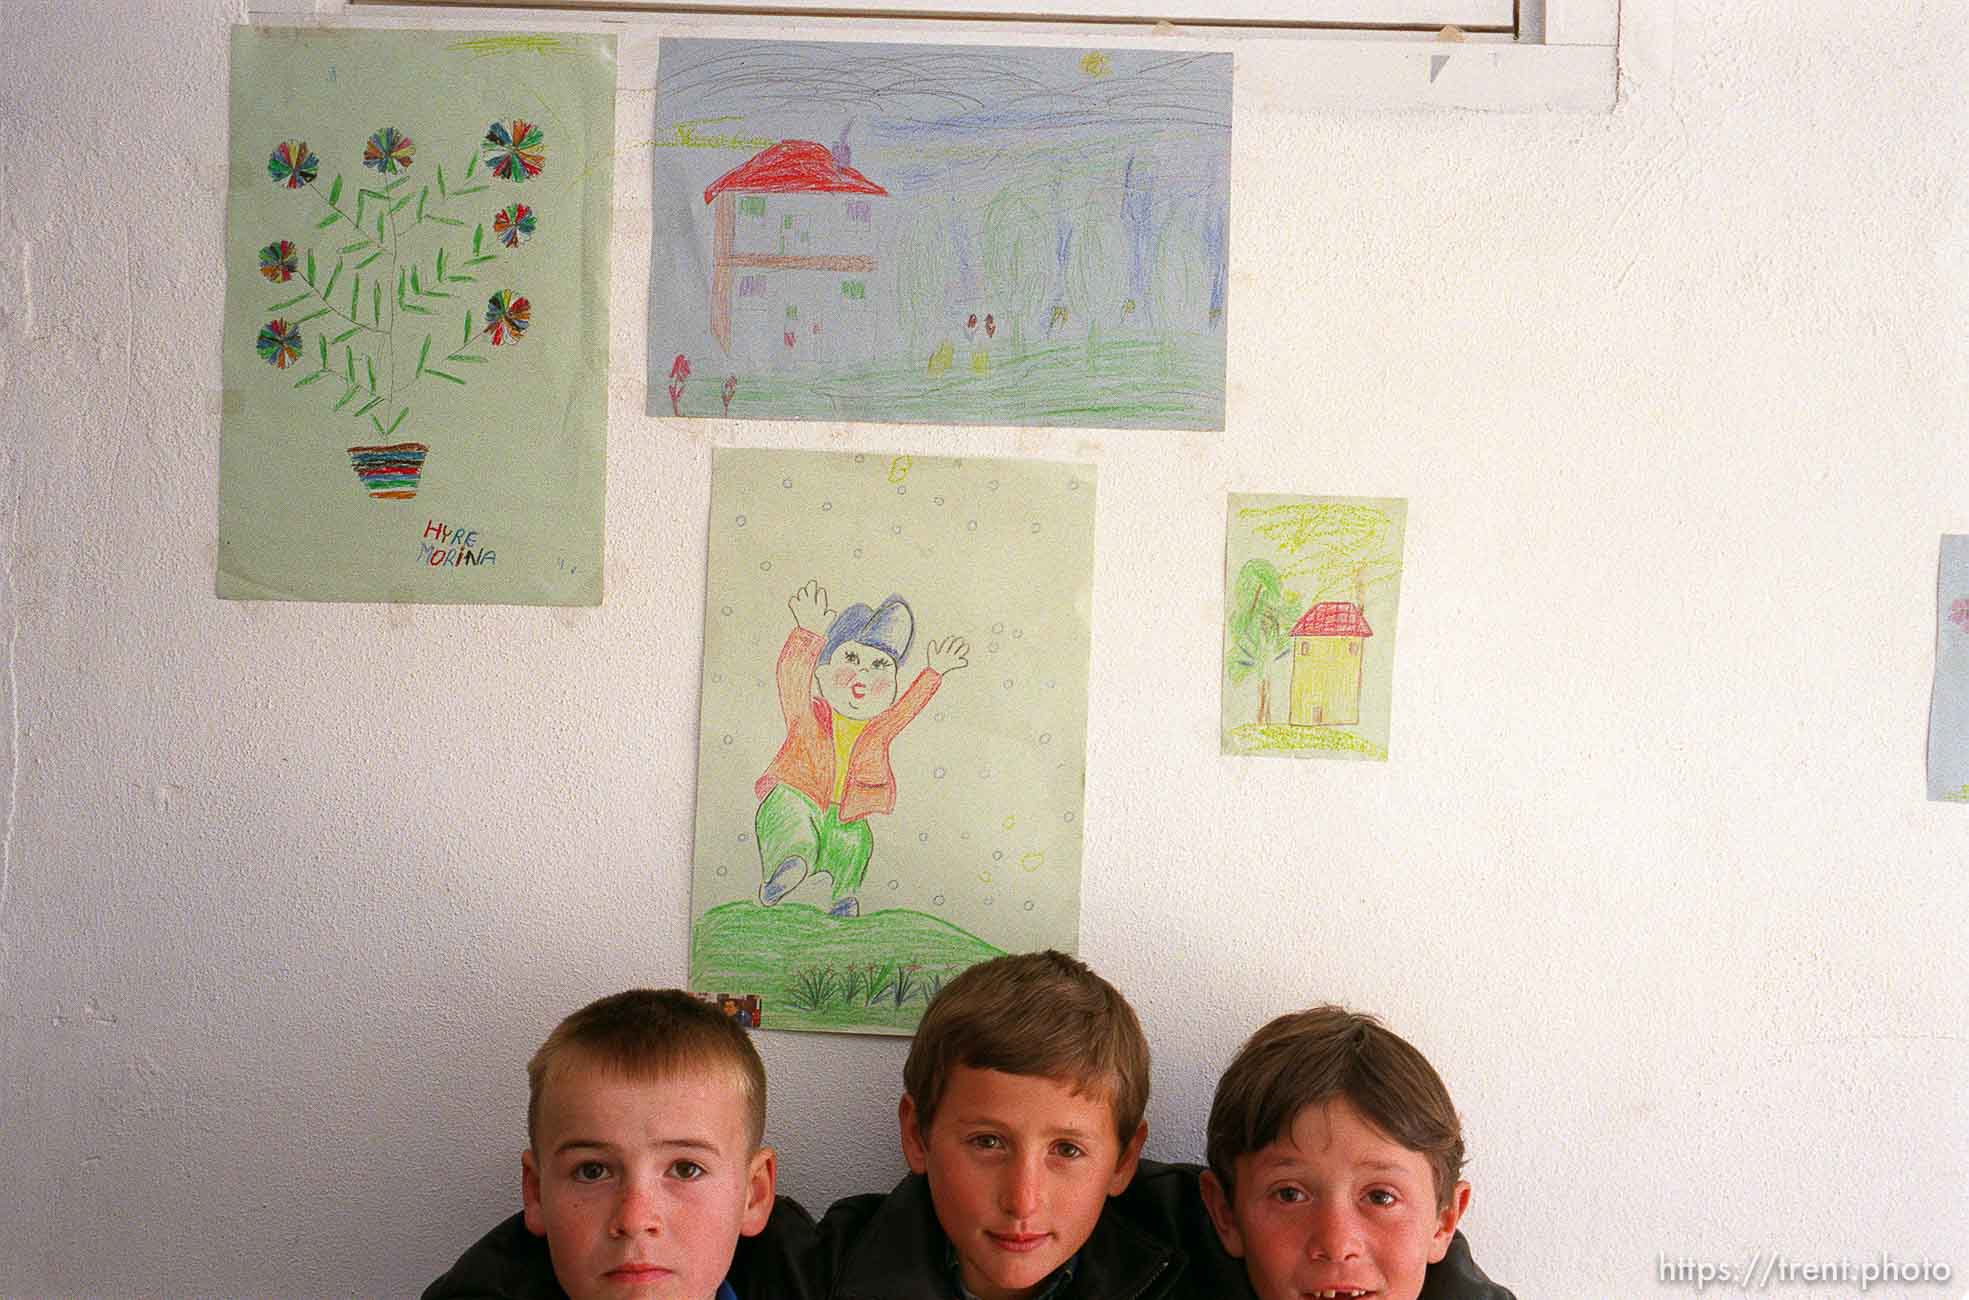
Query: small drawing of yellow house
pixel 1326 665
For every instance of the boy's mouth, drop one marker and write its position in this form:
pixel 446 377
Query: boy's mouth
pixel 857 690
pixel 1019 1242
pixel 1336 1293
pixel 637 1273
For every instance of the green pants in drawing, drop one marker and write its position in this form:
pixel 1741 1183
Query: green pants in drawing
pixel 790 825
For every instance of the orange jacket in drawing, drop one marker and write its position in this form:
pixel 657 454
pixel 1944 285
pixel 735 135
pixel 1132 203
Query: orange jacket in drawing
pixel 806 757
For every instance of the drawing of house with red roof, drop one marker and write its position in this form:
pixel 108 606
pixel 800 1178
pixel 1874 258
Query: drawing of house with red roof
pixel 792 252
pixel 1326 665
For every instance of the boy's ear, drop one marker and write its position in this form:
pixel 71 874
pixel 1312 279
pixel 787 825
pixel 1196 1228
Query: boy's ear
pixel 1459 1201
pixel 1131 1156
pixel 536 1218
pixel 1217 1199
pixel 761 1178
pixel 914 1148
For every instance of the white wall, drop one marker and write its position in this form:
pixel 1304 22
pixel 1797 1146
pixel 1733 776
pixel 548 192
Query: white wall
pixel 1677 397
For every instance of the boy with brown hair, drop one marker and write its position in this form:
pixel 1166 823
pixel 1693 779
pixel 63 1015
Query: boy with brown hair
pixel 1021 1116
pixel 1335 1168
pixel 644 1165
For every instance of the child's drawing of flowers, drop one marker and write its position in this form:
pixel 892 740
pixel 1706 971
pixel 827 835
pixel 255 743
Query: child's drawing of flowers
pixel 516 152
pixel 277 261
pixel 389 151
pixel 279 344
pixel 506 317
pixel 513 224
pixel 388 263
pixel 1958 613
pixel 293 164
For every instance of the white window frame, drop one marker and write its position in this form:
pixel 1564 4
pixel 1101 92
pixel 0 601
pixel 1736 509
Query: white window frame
pixel 1560 57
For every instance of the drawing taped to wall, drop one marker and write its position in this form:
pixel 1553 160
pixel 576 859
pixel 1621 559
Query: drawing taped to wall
pixel 1948 708
pixel 412 206
pixel 1312 586
pixel 953 234
pixel 889 777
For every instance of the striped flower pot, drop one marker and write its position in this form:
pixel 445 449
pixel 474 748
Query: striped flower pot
pixel 389 473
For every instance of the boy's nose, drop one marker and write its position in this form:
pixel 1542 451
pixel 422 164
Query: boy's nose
pixel 1333 1231
pixel 1019 1196
pixel 635 1214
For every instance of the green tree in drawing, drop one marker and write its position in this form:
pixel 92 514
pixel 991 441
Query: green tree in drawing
pixel 1261 614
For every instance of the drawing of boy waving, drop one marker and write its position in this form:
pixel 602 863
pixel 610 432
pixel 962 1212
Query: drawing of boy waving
pixel 837 676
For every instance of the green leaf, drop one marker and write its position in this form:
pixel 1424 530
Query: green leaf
pixel 468 329
pixel 462 279
pixel 324 350
pixel 441 375
pixel 309 379
pixel 402 279
pixel 346 398
pixel 398 181
pixel 444 221
pixel 355 292
pixel 335 192
pixel 382 232
pixel 332 277
pixel 346 334
pixel 346 249
pixel 369 406
pixel 283 306
pixel 422 194
pixel 394 423
pixel 442 192
pixel 440 265
pixel 412 309
pixel 379 426
pixel 436 293
pixel 319 311
pixel 376 301
pixel 476 189
pixel 481 259
pixel 310 275
pixel 423 354
pixel 370 364
pixel 349 364
pixel 328 221
pixel 415 285
pixel 478 238
pixel 367 260
pixel 362 197
pixel 465 357
pixel 472 166
pixel 400 204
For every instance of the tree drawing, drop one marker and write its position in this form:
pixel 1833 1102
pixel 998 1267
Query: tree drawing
pixel 1262 611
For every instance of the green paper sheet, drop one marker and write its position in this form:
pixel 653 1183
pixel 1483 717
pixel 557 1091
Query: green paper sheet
pixel 1312 586
pixel 954 597
pixel 416 335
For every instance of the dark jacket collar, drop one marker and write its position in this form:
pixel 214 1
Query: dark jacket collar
pixel 903 1245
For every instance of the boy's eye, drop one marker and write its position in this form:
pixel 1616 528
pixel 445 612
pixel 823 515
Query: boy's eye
pixel 1071 1150
pixel 878 663
pixel 589 1171
pixel 1288 1195
pixel 986 1141
pixel 688 1170
pixel 852 657
pixel 1381 1196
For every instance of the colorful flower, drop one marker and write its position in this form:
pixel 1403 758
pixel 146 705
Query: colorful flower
pixel 389 151
pixel 293 164
pixel 513 224
pixel 515 153
pixel 279 344
pixel 277 261
pixel 506 317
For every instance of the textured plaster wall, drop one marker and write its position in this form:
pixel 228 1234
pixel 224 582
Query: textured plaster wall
pixel 289 891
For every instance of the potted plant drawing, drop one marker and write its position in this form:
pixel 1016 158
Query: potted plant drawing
pixel 391 266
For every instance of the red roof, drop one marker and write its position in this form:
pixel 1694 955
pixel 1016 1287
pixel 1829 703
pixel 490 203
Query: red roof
pixel 1333 618
pixel 793 167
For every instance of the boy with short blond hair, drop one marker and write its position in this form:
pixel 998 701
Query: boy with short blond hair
pixel 1335 1167
pixel 1021 1116
pixel 644 1166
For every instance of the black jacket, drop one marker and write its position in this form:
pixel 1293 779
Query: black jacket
pixel 892 1248
pixel 510 1263
pixel 1166 1201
